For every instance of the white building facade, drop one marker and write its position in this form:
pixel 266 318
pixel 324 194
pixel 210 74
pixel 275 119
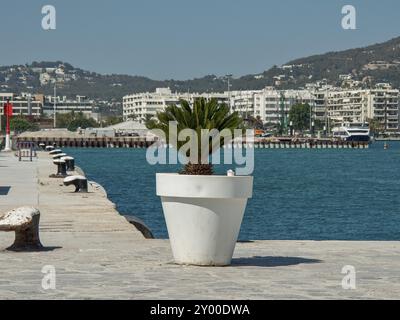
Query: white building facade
pixel 330 105
pixel 24 104
pixel 358 106
pixel 142 106
pixel 65 105
pixel 268 103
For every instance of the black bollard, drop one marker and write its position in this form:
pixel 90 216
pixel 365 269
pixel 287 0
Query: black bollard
pixel 61 168
pixel 70 162
pixel 80 183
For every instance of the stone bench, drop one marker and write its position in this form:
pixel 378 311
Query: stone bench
pixel 55 151
pixel 25 222
pixel 61 169
pixel 70 161
pixel 80 183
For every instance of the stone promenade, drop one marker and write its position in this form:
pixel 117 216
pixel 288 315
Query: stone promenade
pixel 98 255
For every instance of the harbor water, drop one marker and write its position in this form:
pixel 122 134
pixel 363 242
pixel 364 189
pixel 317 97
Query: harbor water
pixel 310 194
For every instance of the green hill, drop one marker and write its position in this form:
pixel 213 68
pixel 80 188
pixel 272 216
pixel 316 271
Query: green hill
pixel 375 63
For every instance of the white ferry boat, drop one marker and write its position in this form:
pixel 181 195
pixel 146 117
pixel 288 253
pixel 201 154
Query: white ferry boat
pixel 352 132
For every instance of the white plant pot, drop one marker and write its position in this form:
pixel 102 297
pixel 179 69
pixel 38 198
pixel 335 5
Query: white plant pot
pixel 203 215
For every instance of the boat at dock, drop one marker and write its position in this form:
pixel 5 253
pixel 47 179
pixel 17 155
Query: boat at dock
pixel 352 132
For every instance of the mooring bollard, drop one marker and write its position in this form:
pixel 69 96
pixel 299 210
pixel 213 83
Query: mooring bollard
pixel 70 162
pixel 80 183
pixel 54 151
pixel 59 156
pixel 25 222
pixel 61 169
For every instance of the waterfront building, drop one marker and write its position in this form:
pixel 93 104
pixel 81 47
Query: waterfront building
pixel 330 105
pixel 348 106
pixel 243 102
pixel 384 104
pixel 65 105
pixel 142 106
pixel 357 106
pixel 269 101
pixel 23 104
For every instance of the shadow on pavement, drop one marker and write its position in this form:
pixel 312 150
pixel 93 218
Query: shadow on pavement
pixel 258 261
pixel 4 190
pixel 43 249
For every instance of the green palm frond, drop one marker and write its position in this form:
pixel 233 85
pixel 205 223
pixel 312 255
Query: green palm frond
pixel 205 114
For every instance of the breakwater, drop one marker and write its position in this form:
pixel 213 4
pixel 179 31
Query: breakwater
pixel 141 142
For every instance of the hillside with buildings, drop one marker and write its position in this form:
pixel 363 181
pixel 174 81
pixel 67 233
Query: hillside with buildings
pixel 369 65
pixel 355 85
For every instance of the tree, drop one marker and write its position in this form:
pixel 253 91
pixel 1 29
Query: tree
pixel 74 120
pixel 204 115
pixel 64 119
pixel 21 124
pixel 299 114
pixel 112 120
pixel 375 126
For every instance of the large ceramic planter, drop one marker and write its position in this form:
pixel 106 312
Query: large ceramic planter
pixel 203 215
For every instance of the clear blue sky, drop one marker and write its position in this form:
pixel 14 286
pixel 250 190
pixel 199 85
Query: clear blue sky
pixel 183 39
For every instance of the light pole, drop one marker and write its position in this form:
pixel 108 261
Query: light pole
pixel 8 112
pixel 228 77
pixel 312 128
pixel 55 106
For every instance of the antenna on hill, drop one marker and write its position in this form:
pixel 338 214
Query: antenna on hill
pixel 55 106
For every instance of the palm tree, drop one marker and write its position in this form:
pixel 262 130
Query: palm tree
pixel 204 115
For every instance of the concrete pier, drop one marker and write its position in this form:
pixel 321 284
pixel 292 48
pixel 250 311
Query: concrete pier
pixel 140 142
pixel 97 254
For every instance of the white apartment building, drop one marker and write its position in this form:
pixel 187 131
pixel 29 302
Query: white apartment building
pixel 357 106
pixel 24 104
pixel 268 102
pixel 141 106
pixel 384 102
pixel 328 104
pixel 346 106
pixel 65 105
pixel 243 102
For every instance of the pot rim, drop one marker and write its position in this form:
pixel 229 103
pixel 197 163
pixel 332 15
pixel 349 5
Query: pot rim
pixel 204 186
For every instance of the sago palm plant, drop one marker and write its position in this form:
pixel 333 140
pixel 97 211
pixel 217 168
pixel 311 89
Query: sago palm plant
pixel 204 115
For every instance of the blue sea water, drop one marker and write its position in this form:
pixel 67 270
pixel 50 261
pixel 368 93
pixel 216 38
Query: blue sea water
pixel 313 194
